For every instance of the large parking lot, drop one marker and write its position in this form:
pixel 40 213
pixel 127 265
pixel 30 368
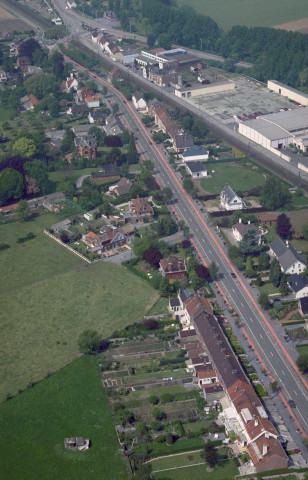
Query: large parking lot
pixel 248 97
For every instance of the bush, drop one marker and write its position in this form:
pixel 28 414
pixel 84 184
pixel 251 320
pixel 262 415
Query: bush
pixel 169 439
pixel 160 439
pixel 153 399
pixel 166 398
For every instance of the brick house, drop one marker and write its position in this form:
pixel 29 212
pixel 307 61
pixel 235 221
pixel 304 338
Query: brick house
pixel 142 209
pixel 23 63
pixel 173 268
pixel 86 146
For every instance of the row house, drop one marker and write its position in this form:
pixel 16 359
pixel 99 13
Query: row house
pixel 245 413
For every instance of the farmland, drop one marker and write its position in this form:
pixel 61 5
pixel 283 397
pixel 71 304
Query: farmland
pixel 58 407
pixel 244 12
pixel 9 23
pixel 48 296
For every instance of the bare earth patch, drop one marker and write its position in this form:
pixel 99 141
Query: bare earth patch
pixel 9 23
pixel 300 26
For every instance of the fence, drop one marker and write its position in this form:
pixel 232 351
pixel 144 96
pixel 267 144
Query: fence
pixel 67 246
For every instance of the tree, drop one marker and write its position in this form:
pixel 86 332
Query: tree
pixel 199 129
pixel 249 243
pixel 151 40
pixel 25 147
pixel 305 231
pixel 166 398
pixel 38 170
pixel 263 261
pixel 275 272
pixel 188 185
pixel 89 341
pixel 158 414
pixel 284 288
pixel 284 226
pixel 302 362
pixel 115 108
pixel 140 245
pixel 153 256
pixel 41 84
pixel 23 210
pixel 203 272
pixel 213 271
pixel 153 399
pixel 264 300
pixel 249 271
pixel 210 453
pixel 186 243
pixel 11 185
pixel 187 123
pixel 164 287
pixel 169 439
pixel 275 194
pixel 132 154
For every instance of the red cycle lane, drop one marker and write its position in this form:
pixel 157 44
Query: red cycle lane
pixel 292 363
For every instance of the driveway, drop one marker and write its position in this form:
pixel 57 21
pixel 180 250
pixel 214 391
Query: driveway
pixel 80 180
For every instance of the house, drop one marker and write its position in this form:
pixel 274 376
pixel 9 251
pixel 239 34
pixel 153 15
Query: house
pixel 4 76
pixel 195 153
pixel 109 238
pixel 122 187
pixel 78 109
pixel 86 146
pixel 23 63
pixel 112 49
pixel 95 116
pixel 303 307
pixel 267 218
pixel 92 101
pixel 299 285
pixel 142 209
pixel 107 172
pixel 239 229
pixel 114 75
pixel 193 305
pixel 70 82
pixel 173 268
pixel 58 227
pixel 77 443
pixel 112 125
pixel 138 102
pixel 162 119
pixel 71 4
pixel 8 209
pixel 81 130
pixel 291 261
pixel 110 16
pixel 181 141
pixel 6 36
pixel 126 55
pixel 229 200
pixel 28 102
pixel 196 169
pixel 15 46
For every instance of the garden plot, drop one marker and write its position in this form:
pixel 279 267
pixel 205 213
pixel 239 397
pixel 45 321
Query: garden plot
pixel 172 410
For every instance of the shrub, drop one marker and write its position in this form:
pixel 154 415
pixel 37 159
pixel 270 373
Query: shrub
pixel 169 439
pixel 160 439
pixel 153 399
pixel 166 398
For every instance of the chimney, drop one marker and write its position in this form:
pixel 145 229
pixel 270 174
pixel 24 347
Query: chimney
pixel 239 220
pixel 256 422
pixel 287 243
pixel 248 222
pixel 264 452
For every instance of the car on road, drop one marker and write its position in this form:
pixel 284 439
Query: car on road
pixel 150 143
pixel 292 403
pixel 232 275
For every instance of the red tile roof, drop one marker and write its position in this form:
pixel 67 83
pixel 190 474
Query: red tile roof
pixel 33 99
pixel 172 265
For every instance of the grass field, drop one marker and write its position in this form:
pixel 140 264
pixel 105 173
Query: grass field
pixel 221 471
pixel 177 461
pixel 266 13
pixel 48 296
pixel 238 176
pixel 58 407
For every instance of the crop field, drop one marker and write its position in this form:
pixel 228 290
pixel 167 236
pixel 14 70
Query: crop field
pixel 48 296
pixel 43 416
pixel 9 23
pixel 300 26
pixel 239 176
pixel 264 13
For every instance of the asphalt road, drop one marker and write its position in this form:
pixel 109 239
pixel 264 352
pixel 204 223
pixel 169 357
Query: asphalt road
pixel 269 343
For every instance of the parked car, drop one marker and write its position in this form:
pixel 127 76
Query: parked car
pixel 292 403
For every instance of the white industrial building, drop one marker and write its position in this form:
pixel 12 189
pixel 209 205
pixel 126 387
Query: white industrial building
pixel 278 130
pixel 296 95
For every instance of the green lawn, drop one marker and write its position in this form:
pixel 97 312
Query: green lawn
pixel 239 176
pixel 221 471
pixel 176 461
pixel 48 296
pixel 72 402
pixel 269 289
pixel 271 234
pixel 265 13
pixel 302 349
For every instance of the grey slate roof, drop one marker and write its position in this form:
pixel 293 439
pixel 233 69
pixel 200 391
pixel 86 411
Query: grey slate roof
pixel 297 282
pixel 195 167
pixel 183 140
pixel 286 253
pixel 85 141
pixel 195 150
pixel 304 304
pixel 174 302
pixel 228 193
pixel 184 294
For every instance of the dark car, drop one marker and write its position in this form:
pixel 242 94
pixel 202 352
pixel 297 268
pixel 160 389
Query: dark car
pixel 291 403
pixel 233 275
pixel 150 143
